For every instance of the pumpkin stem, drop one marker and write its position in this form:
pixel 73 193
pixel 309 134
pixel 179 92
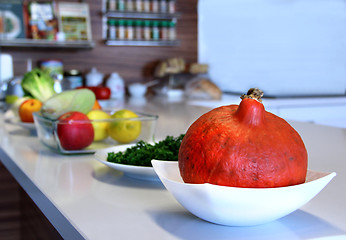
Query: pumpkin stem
pixel 253 93
pixel 249 111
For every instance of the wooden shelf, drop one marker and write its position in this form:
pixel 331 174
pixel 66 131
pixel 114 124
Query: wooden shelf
pixel 153 43
pixel 142 15
pixel 40 43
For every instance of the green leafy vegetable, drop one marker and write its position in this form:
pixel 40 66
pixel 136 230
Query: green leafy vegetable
pixel 38 84
pixel 142 153
pixel 81 100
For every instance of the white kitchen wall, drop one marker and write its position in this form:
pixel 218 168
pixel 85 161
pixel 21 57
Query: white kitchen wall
pixel 284 47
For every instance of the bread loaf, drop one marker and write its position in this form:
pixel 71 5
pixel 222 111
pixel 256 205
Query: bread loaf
pixel 197 68
pixel 170 66
pixel 202 88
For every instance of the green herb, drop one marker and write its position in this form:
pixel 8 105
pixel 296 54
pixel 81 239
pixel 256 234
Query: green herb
pixel 142 153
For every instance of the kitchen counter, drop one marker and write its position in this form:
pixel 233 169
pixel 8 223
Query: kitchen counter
pixel 325 110
pixel 84 199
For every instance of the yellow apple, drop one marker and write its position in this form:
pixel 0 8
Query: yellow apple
pixel 125 129
pixel 100 126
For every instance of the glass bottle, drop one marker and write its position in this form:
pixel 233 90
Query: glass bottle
pixel 74 77
pixel 155 32
pixel 171 31
pixel 138 29
pixel 163 6
pixel 121 29
pixel 138 6
pixel 164 30
pixel 117 86
pixel 129 30
pixel 112 5
pixel 129 5
pixel 146 6
pixel 154 6
pixel 112 31
pixel 146 30
pixel 171 6
pixel 121 5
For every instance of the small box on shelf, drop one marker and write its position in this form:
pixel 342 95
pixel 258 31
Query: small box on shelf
pixel 49 25
pixel 11 19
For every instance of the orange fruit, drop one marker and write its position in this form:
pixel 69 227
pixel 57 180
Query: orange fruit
pixel 96 106
pixel 27 108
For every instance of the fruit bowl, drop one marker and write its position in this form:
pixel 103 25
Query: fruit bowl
pixel 233 206
pixel 47 131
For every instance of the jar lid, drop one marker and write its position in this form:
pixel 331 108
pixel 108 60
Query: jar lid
pixel 72 72
pixel 155 23
pixel 138 22
pixel 146 23
pixel 112 22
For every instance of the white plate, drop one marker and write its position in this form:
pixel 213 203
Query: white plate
pixel 138 172
pixel 14 120
pixel 233 206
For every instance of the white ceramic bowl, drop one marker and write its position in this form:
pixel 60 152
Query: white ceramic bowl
pixel 137 90
pixel 233 206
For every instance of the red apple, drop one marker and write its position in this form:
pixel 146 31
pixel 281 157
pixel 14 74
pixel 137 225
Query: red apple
pixel 75 131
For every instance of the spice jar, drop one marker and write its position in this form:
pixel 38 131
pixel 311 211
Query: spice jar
pixel 112 5
pixel 155 33
pixel 154 6
pixel 121 29
pixel 138 6
pixel 112 31
pixel 138 30
pixel 121 5
pixel 129 5
pixel 171 6
pixel 146 30
pixel 171 31
pixel 163 6
pixel 129 30
pixel 74 77
pixel 146 6
pixel 164 30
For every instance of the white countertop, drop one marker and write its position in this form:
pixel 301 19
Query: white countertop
pixel 271 103
pixel 85 199
pixel 325 110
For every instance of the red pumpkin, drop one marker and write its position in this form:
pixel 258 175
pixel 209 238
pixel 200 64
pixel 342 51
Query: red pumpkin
pixel 243 146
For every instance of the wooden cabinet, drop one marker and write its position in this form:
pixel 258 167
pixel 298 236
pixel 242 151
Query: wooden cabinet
pixel 19 216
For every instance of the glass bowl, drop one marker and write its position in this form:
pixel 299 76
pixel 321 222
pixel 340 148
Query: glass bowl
pixel 48 134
